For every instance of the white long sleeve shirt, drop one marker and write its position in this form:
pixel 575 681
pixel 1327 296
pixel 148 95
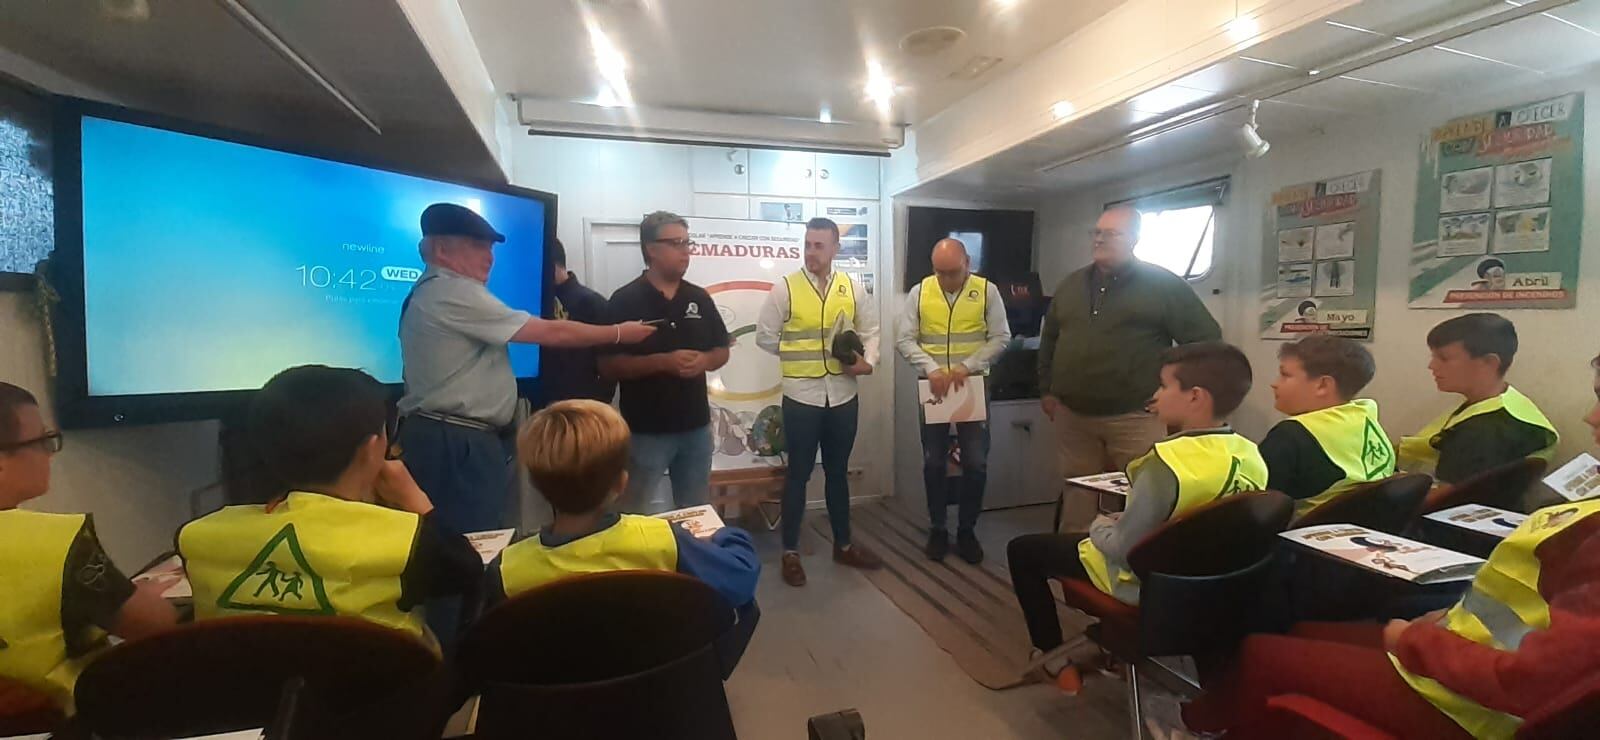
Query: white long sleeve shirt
pixel 829 390
pixel 997 332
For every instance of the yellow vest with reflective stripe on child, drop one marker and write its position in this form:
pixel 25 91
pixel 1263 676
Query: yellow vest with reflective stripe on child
pixel 1418 454
pixel 1208 467
pixel 633 543
pixel 804 349
pixel 1350 436
pixel 952 332
pixel 311 555
pixel 33 642
pixel 1502 607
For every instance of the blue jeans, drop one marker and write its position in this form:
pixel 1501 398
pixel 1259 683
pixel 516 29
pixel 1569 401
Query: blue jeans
pixel 973 436
pixel 685 456
pixel 805 428
pixel 465 472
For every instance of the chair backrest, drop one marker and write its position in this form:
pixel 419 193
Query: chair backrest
pixel 1571 713
pixel 1501 487
pixel 1220 537
pixel 680 699
pixel 229 674
pixel 1388 505
pixel 26 711
pixel 1195 615
pixel 593 627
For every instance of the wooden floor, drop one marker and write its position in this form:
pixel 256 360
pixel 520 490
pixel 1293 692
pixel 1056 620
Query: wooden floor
pixel 839 643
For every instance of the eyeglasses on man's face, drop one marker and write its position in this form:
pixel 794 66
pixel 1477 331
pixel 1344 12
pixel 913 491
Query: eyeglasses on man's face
pixel 681 243
pixel 51 442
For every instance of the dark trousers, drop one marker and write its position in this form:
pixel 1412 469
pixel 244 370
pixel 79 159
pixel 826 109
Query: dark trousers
pixel 1033 560
pixel 805 428
pixel 973 437
pixel 467 475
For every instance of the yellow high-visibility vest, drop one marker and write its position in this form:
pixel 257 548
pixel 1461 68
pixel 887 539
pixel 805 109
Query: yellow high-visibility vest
pixel 1419 454
pixel 1502 607
pixel 803 347
pixel 633 543
pixel 1208 467
pixel 311 555
pixel 33 642
pixel 1350 436
pixel 952 332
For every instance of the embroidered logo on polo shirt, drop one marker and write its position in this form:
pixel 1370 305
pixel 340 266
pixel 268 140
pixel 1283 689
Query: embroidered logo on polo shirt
pixel 692 312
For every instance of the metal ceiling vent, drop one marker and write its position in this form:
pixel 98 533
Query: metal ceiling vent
pixel 927 42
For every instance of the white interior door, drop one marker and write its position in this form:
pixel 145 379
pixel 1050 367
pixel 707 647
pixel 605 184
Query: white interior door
pixel 611 251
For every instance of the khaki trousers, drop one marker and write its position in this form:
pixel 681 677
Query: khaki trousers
pixel 1098 444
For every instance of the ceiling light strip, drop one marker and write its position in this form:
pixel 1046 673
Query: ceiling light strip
pixel 1207 110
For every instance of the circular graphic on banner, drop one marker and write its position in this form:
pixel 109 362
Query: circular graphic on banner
pixel 751 375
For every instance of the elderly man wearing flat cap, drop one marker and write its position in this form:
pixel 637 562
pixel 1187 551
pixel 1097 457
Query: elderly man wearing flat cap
pixel 460 392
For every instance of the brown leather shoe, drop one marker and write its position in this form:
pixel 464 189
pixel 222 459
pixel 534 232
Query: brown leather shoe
pixel 857 556
pixel 794 573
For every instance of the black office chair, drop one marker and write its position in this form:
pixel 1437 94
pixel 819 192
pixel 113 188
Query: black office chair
pixel 1503 487
pixel 1389 505
pixel 622 654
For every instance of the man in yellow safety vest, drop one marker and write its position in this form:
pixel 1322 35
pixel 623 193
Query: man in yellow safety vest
pixel 953 326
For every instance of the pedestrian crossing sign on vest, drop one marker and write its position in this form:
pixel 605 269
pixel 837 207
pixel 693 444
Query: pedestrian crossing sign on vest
pixel 278 580
pixel 1377 455
pixel 1236 481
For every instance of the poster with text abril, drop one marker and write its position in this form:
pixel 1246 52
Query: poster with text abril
pixel 1320 261
pixel 1499 212
pixel 737 262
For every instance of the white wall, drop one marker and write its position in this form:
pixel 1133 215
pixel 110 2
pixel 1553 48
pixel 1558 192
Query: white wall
pixel 605 179
pixel 1552 365
pixel 135 481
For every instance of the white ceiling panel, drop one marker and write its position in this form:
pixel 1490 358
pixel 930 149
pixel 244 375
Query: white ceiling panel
pixel 1432 69
pixel 1535 42
pixel 1351 96
pixel 1401 17
pixel 1236 75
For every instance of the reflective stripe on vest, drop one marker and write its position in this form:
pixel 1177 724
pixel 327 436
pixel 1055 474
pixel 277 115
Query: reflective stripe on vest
pixel 33 643
pixel 952 332
pixel 633 543
pixel 311 555
pixel 1418 453
pixel 1502 607
pixel 1350 436
pixel 803 350
pixel 1208 467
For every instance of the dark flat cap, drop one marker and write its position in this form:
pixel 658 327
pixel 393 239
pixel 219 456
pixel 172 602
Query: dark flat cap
pixel 449 219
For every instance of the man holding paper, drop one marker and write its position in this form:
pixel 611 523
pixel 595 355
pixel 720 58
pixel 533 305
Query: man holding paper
pixel 953 328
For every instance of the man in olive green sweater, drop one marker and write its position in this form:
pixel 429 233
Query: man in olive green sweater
pixel 1100 354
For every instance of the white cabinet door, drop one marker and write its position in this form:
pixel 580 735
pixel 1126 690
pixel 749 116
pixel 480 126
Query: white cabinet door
pixel 847 176
pixel 719 169
pixel 792 210
pixel 774 172
pixel 716 205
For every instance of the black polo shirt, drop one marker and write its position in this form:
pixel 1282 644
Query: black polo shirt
pixel 666 403
pixel 1485 442
pixel 1296 463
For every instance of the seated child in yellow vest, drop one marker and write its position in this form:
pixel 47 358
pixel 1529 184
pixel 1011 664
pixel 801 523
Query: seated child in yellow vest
pixel 1331 441
pixel 351 535
pixel 1494 424
pixel 59 593
pixel 576 452
pixel 1201 384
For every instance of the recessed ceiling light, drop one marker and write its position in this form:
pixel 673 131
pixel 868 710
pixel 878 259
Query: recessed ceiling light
pixel 1061 109
pixel 826 116
pixel 1243 28
pixel 613 67
pixel 880 89
pixel 926 42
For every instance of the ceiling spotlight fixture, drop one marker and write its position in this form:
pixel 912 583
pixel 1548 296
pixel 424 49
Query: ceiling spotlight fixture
pixel 825 116
pixel 1243 28
pixel 1250 136
pixel 879 88
pixel 1062 109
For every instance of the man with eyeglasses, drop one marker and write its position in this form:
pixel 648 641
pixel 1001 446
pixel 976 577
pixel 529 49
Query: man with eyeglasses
pixel 1100 354
pixel 60 594
pixel 663 379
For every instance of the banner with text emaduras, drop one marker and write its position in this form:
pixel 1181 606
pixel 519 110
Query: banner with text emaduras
pixel 737 262
pixel 1319 266
pixel 1499 217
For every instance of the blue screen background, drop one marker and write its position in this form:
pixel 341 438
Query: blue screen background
pixel 211 266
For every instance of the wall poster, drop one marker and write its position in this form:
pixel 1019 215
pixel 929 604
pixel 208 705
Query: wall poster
pixel 737 262
pixel 1499 210
pixel 1320 264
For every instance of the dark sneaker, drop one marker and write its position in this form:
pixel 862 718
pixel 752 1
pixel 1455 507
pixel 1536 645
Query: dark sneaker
pixel 857 556
pixel 794 573
pixel 968 548
pixel 938 545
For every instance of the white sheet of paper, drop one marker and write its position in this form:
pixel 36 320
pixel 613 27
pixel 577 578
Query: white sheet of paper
pixel 958 405
pixel 1113 483
pixel 169 573
pixel 489 543
pixel 1480 518
pixel 1578 479
pixel 702 521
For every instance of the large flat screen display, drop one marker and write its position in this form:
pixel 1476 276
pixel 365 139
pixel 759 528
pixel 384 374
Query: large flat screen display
pixel 210 265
